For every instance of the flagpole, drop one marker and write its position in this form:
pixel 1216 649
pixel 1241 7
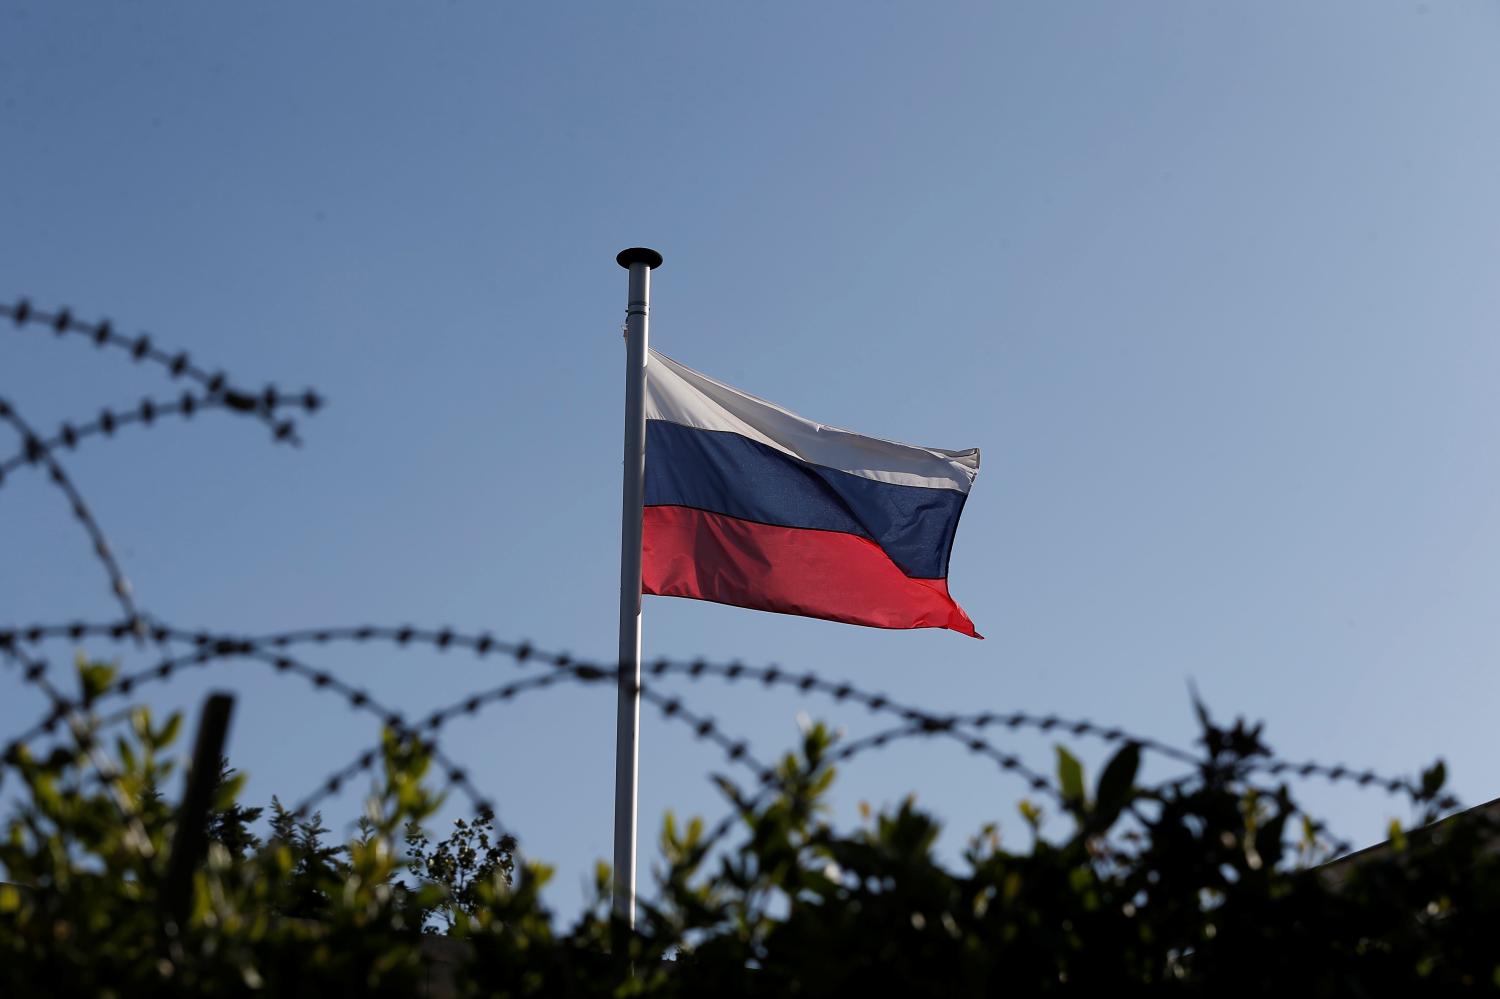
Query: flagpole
pixel 639 261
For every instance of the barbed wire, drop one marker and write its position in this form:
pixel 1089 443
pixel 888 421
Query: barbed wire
pixel 145 414
pixel 64 708
pixel 919 723
pixel 569 668
pixel 141 348
pixel 484 644
pixel 367 759
pixel 220 393
pixel 209 648
pixel 118 584
pixel 925 722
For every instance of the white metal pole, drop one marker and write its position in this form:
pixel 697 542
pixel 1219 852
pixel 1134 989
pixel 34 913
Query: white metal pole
pixel 639 261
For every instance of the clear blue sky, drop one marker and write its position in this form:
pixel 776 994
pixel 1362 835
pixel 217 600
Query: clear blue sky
pixel 1212 285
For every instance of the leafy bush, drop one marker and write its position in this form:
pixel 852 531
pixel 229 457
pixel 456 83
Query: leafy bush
pixel 1208 885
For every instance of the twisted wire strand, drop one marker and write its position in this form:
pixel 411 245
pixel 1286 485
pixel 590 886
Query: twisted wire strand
pixel 922 728
pixel 118 584
pixel 452 774
pixel 1364 779
pixel 103 334
pixel 367 759
pixel 484 644
pixel 921 722
pixel 704 728
pixel 927 722
pixel 1083 727
pixel 211 648
pixel 769 676
pixel 146 414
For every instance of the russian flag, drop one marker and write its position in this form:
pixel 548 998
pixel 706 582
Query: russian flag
pixel 751 505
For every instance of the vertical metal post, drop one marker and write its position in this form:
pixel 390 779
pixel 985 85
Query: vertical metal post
pixel 197 797
pixel 639 261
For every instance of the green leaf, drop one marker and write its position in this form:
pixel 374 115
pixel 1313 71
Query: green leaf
pixel 1270 839
pixel 126 754
pixel 1116 784
pixel 94 679
pixel 167 734
pixel 1070 777
pixel 140 723
pixel 1433 779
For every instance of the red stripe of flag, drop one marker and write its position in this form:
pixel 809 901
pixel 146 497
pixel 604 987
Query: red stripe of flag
pixel 827 574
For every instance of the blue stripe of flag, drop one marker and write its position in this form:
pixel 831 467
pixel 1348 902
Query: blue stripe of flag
pixel 725 473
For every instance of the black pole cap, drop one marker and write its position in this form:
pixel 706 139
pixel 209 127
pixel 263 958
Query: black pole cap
pixel 638 255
